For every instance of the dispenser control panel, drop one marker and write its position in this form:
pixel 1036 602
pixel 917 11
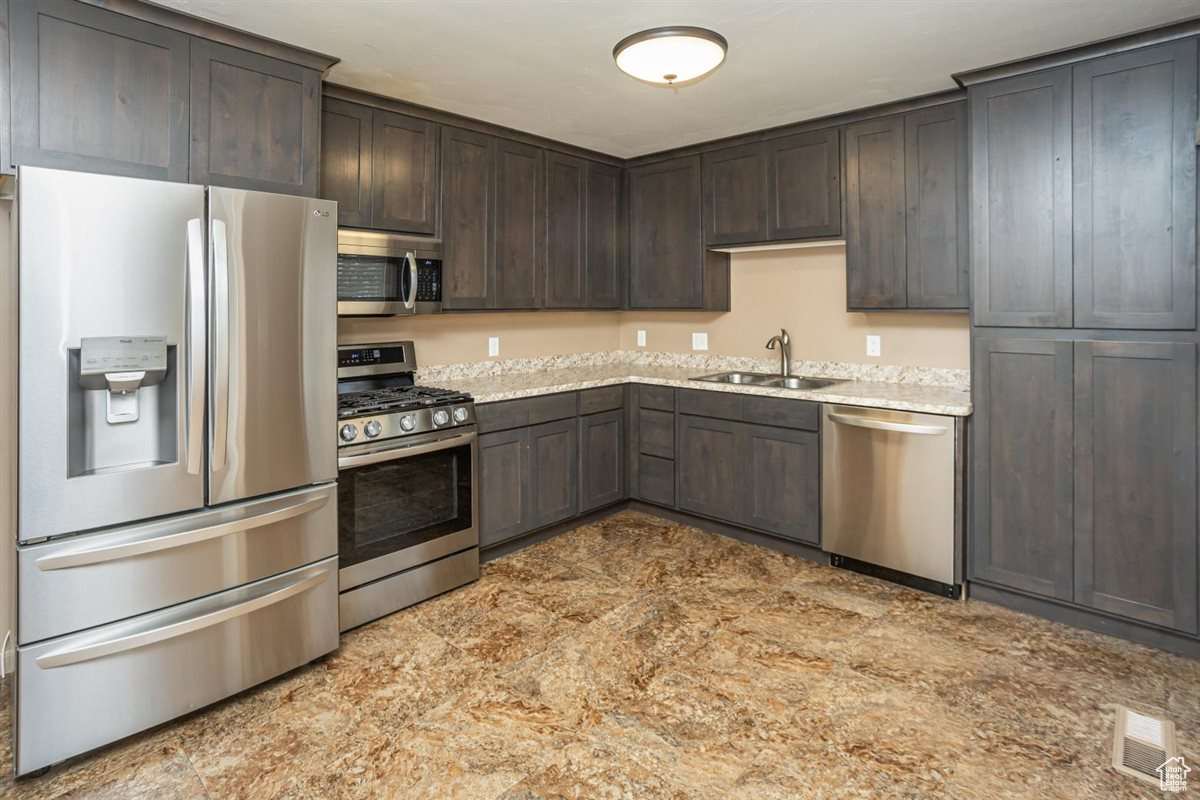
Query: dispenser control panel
pixel 99 355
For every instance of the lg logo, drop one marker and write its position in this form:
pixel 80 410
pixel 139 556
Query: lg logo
pixel 319 213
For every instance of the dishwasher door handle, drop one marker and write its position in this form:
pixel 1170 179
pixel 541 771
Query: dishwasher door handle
pixel 885 425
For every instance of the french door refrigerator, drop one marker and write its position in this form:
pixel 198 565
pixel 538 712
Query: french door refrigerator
pixel 177 521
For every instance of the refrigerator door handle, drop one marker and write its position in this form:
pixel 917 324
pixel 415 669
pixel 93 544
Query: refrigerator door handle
pixel 195 345
pixel 133 640
pixel 96 555
pixel 221 335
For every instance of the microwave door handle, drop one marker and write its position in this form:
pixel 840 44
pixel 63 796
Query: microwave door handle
pixel 411 300
pixel 195 345
pixel 221 335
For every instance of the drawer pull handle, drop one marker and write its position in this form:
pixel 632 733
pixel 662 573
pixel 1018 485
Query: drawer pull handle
pixel 97 555
pixel 121 644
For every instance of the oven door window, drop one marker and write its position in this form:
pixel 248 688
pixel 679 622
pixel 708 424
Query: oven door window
pixel 378 279
pixel 386 507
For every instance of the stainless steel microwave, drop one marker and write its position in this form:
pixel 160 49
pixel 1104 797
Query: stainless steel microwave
pixel 387 274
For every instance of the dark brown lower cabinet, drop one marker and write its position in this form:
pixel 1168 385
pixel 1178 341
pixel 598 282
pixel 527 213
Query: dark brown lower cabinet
pixel 780 478
pixel 503 485
pixel 601 459
pixel 553 475
pixel 708 479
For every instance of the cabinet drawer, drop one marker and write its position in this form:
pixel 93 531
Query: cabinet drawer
pixel 722 405
pixel 781 412
pixel 660 397
pixel 552 407
pixel 606 398
pixel 656 480
pixel 502 416
pixel 657 433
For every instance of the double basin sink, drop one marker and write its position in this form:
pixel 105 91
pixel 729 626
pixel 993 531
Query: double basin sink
pixel 771 381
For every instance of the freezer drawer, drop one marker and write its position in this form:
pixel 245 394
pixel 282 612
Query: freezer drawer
pixel 77 583
pixel 82 691
pixel 888 490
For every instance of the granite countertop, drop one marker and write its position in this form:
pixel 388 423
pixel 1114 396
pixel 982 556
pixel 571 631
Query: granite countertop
pixel 899 396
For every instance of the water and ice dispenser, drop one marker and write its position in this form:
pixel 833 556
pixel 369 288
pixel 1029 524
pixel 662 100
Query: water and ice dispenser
pixel 122 404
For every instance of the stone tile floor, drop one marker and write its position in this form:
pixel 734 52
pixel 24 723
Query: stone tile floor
pixel 637 658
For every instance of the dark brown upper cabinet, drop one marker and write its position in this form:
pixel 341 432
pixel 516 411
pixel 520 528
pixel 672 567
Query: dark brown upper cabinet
pixel 669 267
pixel 97 91
pixel 906 211
pixel 583 233
pixel 493 212
pixel 1134 208
pixel 255 121
pixel 346 160
pixel 735 195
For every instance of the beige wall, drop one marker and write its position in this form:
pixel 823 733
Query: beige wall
pixel 803 290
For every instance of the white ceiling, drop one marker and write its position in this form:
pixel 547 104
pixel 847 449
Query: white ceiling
pixel 546 67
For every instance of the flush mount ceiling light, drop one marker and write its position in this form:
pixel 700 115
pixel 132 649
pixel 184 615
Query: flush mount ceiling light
pixel 670 55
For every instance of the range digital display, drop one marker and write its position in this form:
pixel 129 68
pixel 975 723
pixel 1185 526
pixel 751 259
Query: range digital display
pixel 369 356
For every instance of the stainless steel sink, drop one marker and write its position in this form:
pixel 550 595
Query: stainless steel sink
pixel 765 379
pixel 736 377
pixel 798 383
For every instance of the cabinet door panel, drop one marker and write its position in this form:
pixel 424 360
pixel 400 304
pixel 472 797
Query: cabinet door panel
pixel 935 163
pixel 707 471
pixel 1021 533
pixel 1135 480
pixel 1135 189
pixel 553 472
pixel 804 190
pixel 735 195
pixel 605 252
pixel 97 91
pixel 876 276
pixel 666 242
pixel 255 121
pixel 566 264
pixel 404 173
pixel 346 160
pixel 602 454
pixel 1021 191
pixel 503 486
pixel 780 474
pixel 468 205
pixel 520 219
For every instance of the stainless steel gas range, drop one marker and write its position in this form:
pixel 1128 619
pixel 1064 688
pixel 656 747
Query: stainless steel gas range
pixel 407 497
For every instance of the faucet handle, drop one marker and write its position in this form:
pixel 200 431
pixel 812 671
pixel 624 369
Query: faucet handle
pixel 783 336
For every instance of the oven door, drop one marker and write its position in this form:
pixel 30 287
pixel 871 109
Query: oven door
pixel 405 506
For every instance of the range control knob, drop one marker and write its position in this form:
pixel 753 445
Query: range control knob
pixel 408 422
pixel 348 433
pixel 440 417
pixel 460 414
pixel 372 429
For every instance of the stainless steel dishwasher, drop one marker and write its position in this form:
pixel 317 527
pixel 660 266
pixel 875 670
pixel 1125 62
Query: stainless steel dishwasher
pixel 891 494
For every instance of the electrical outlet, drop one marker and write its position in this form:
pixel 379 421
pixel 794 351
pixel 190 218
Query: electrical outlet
pixel 641 338
pixel 493 346
pixel 873 346
pixel 699 341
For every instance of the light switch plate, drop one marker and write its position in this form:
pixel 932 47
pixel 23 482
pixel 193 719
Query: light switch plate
pixel 873 346
pixel 493 346
pixel 641 338
pixel 699 341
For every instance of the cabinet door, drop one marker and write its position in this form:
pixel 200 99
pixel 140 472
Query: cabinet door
pixel 804 190
pixel 935 183
pixel 468 206
pixel 1021 191
pixel 566 237
pixel 666 241
pixel 256 121
pixel 1021 532
pixel 605 251
pixel 780 476
pixel 504 500
pixel 735 195
pixel 710 482
pixel 876 276
pixel 601 459
pixel 1135 480
pixel 519 247
pixel 1135 189
pixel 404 174
pixel 97 91
pixel 553 472
pixel 346 160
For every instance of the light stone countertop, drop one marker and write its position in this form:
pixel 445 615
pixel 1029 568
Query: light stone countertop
pixel 898 396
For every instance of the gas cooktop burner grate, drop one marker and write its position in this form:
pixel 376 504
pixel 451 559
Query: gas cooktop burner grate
pixel 398 398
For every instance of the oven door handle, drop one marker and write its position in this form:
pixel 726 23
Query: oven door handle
pixel 393 453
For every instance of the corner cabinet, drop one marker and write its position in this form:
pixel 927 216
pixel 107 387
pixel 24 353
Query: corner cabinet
pixel 669 267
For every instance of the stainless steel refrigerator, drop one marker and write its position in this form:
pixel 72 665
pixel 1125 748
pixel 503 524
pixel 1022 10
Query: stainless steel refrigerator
pixel 177 521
